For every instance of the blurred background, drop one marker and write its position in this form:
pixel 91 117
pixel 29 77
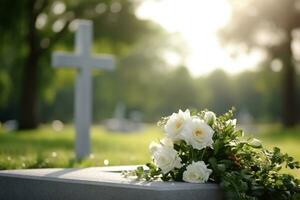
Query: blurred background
pixel 171 54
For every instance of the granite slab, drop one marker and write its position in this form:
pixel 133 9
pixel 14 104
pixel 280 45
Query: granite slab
pixel 96 183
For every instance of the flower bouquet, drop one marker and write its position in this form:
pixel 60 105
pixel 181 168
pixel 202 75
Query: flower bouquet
pixel 200 147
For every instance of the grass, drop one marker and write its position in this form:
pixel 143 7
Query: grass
pixel 287 140
pixel 46 148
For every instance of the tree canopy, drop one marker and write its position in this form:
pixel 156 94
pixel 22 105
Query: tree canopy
pixel 30 29
pixel 269 26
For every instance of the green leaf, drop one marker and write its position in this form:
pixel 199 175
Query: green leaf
pixel 221 167
pixel 213 163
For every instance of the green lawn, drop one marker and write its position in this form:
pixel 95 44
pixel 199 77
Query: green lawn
pixel 287 140
pixel 47 148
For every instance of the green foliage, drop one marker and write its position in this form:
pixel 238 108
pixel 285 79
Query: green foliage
pixel 115 32
pixel 141 75
pixel 258 92
pixel 278 20
pixel 241 165
pixel 5 86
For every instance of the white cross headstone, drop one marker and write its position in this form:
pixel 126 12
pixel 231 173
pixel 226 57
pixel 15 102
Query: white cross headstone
pixel 84 62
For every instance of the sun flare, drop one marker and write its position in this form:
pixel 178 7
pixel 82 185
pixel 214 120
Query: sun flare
pixel 198 23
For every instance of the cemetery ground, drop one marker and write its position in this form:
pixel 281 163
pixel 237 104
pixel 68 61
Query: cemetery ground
pixel 45 148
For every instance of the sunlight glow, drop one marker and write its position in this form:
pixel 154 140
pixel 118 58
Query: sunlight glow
pixel 198 23
pixel 58 7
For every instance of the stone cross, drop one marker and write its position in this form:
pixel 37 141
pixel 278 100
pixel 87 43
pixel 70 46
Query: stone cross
pixel 83 62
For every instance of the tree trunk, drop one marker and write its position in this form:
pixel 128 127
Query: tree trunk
pixel 289 87
pixel 28 102
pixel 28 117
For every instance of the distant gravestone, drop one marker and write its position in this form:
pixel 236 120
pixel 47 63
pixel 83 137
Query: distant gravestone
pixel 136 116
pixel 246 122
pixel 11 125
pixel 120 111
pixel 83 62
pixel 122 124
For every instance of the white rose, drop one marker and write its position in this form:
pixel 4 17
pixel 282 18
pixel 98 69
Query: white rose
pixel 166 159
pixel 167 142
pixel 197 172
pixel 154 147
pixel 198 134
pixel 209 117
pixel 176 123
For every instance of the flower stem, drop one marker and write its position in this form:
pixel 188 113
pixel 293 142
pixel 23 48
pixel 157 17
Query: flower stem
pixel 203 152
pixel 192 153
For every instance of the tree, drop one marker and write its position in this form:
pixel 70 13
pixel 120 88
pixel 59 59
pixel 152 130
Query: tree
pixel 220 90
pixel 268 25
pixel 42 24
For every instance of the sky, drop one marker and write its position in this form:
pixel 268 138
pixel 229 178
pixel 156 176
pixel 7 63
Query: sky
pixel 198 22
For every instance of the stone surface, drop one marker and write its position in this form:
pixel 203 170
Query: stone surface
pixel 84 62
pixel 95 183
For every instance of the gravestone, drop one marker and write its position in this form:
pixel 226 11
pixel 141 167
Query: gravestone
pixel 96 183
pixel 11 125
pixel 122 124
pixel 246 122
pixel 83 62
pixel 120 111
